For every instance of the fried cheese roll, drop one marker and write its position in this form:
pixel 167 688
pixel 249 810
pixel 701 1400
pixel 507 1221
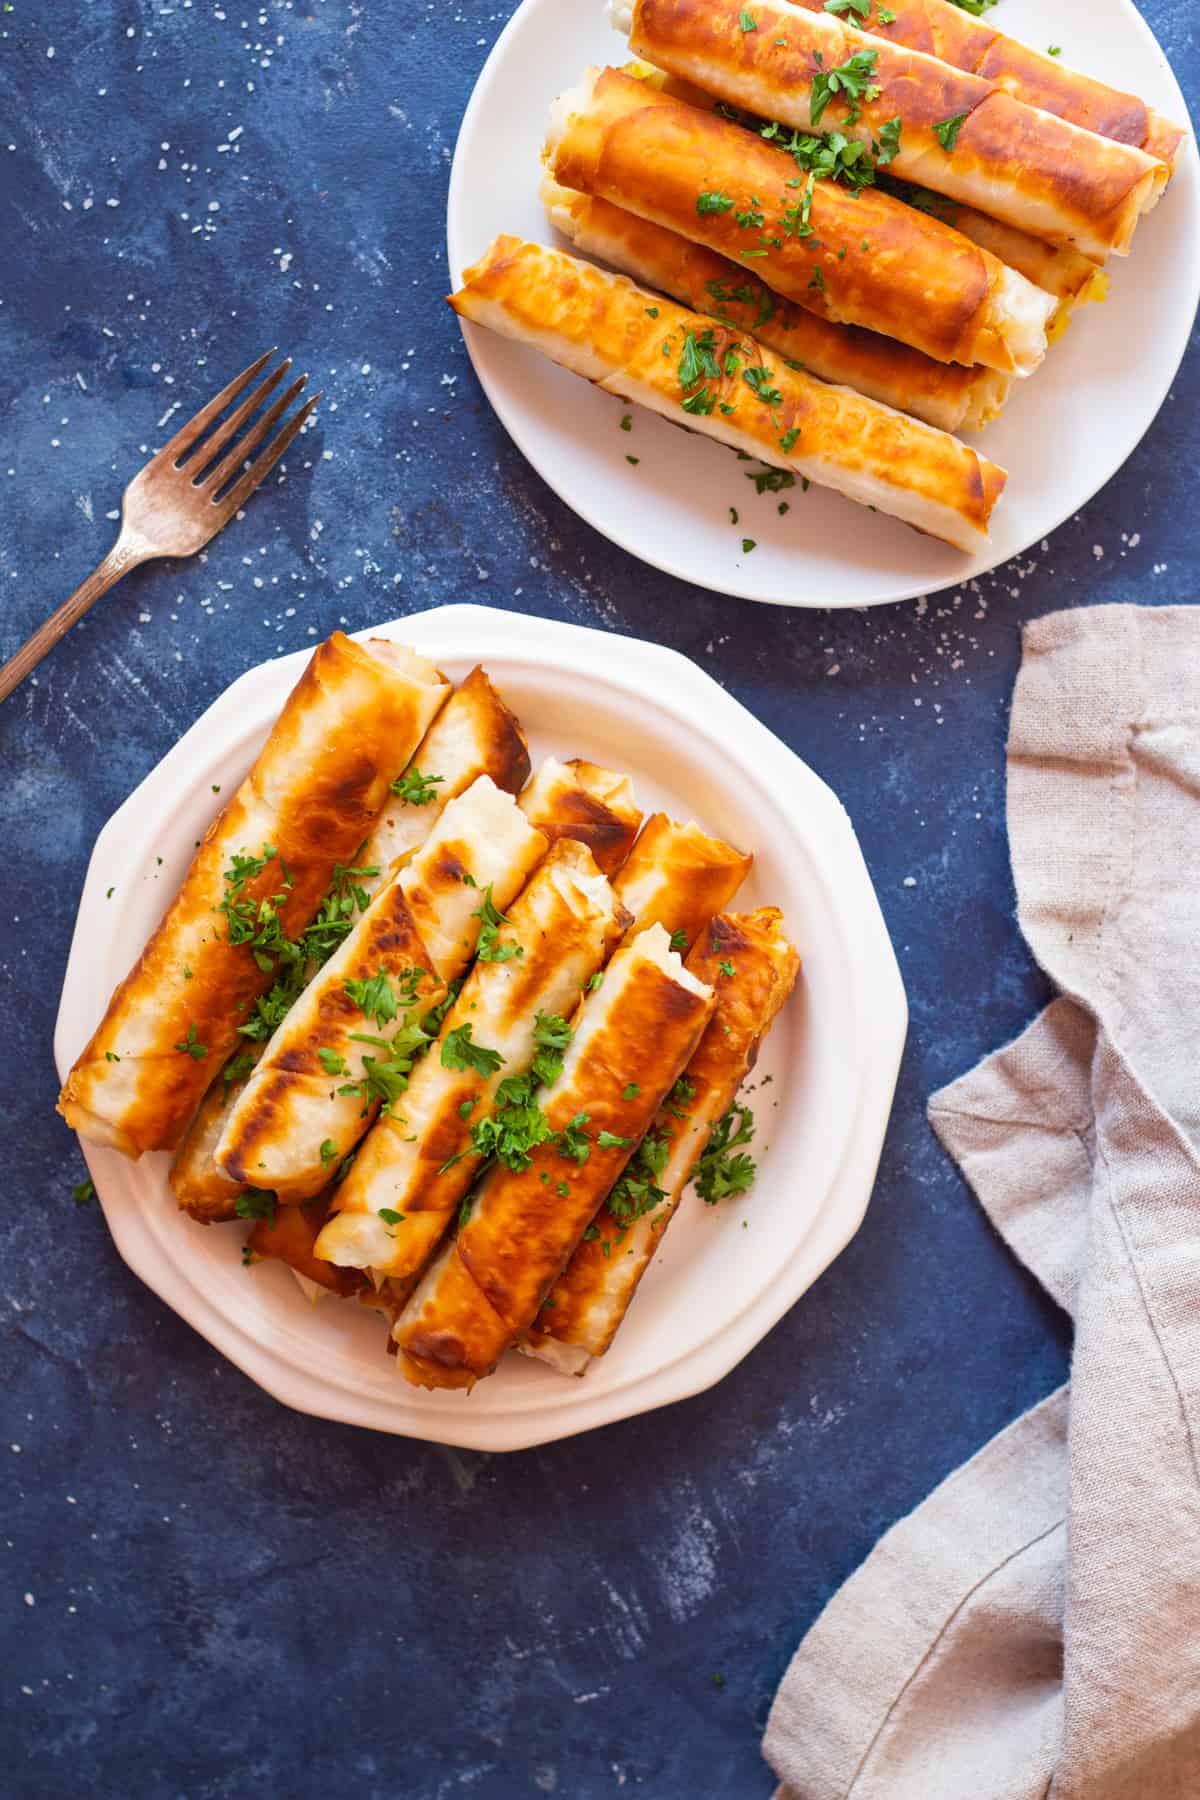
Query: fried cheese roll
pixel 854 258
pixel 474 734
pixel 410 1177
pixel 693 372
pixel 944 30
pixel 349 1042
pixel 943 394
pixel 578 800
pixel 349 726
pixel 679 877
pixel 592 1295
pixel 958 133
pixel 632 1038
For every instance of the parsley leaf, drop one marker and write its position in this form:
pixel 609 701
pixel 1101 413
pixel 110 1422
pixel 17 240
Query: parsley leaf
pixel 723 1171
pixel 390 1216
pixel 840 7
pixel 256 1203
pixel 84 1192
pixel 328 1151
pixel 852 78
pixel 378 999
pixel 489 948
pixel 459 1052
pixel 573 1141
pixel 608 1140
pixel 552 1036
pixel 758 379
pixel 415 789
pixel 331 1061
pixel 515 1128
pixel 189 1045
pixel 946 132
pixel 679 938
pixel 887 145
pixel 698 360
pixel 711 202
pixel 747 21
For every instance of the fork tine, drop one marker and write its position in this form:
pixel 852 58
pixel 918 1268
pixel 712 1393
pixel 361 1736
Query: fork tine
pixel 196 466
pixel 240 452
pixel 267 459
pixel 187 434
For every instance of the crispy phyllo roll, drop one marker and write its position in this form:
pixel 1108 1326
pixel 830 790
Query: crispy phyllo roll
pixel 751 967
pixel 349 1043
pixel 941 28
pixel 943 394
pixel 856 258
pixel 473 1096
pixel 713 380
pixel 347 729
pixel 632 1039
pixel 955 132
pixel 578 800
pixel 474 734
pixel 679 877
pixel 287 1234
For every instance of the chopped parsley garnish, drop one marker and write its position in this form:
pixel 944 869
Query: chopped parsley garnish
pixel 747 21
pixel 189 1045
pixel 733 515
pixel 749 544
pixel 638 1192
pixel 726 967
pixel 725 1168
pixel 328 1152
pixel 595 980
pixel 608 1140
pixel 751 218
pixel 679 938
pixel 632 1091
pixel 459 1052
pixel 853 79
pixel 816 279
pixel 773 481
pixel 787 443
pixel 627 422
pixel 415 789
pixel 713 203
pixel 516 1128
pixel 1054 50
pixel 467 1107
pixel 331 1061
pixel 376 997
pixel 887 145
pixel 758 379
pixel 562 1189
pixel 698 360
pixel 946 132
pixel 652 311
pixel 861 7
pixel 236 1069
pixel 385 1079
pixel 256 1203
pixel 84 1192
pixel 489 948
pixel 835 157
pixel 390 1216
pixel 681 1097
pixel 573 1141
pixel 975 7
pixel 552 1036
pixel 702 402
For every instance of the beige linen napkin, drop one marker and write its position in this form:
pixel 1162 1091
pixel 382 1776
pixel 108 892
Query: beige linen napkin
pixel 1032 1632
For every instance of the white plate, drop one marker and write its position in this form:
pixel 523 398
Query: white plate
pixel 715 1288
pixel 1064 434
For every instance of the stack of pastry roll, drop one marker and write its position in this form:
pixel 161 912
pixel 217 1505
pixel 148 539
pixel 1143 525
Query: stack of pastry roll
pixel 414 1171
pixel 474 734
pixel 751 967
pixel 313 795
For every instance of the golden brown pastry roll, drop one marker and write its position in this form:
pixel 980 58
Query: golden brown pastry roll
pixel 751 967
pixel 578 800
pixel 631 1040
pixel 348 727
pixel 679 877
pixel 855 258
pixel 944 30
pixel 959 134
pixel 632 342
pixel 349 1043
pixel 287 1234
pixel 473 1094
pixel 943 394
pixel 474 734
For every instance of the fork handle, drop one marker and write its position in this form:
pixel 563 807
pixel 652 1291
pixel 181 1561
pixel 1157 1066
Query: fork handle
pixel 125 554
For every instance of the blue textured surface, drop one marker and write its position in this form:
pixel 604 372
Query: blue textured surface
pixel 201 1593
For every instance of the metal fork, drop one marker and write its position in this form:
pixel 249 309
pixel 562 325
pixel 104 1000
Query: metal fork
pixel 176 503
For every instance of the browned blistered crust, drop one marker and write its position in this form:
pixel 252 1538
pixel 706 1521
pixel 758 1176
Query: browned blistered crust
pixel 944 30
pixel 388 942
pixel 1037 171
pixel 594 1292
pixel 320 809
pixel 521 1232
pixel 693 875
pixel 592 810
pixel 196 1182
pixel 289 1237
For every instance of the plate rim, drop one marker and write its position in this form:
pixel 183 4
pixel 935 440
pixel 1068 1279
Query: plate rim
pixel 458 630
pixel 519 427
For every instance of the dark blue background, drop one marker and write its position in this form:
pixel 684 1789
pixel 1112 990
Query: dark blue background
pixel 203 1594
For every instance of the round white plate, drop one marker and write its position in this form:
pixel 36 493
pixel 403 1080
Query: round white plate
pixel 725 1273
pixel 1064 433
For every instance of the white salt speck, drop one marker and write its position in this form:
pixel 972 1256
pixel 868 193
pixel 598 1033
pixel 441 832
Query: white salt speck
pixel 910 881
pixel 1098 552
pixel 285 263
pixel 50 50
pixel 111 202
pixel 144 618
pixel 29 1600
pixel 1135 540
pixel 366 369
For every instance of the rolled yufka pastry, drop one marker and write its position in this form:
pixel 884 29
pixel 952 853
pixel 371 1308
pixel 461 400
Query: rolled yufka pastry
pixel 943 29
pixel 472 1095
pixel 957 133
pixel 348 1045
pixel 287 1234
pixel 578 800
pixel 631 1040
pixel 855 258
pixel 348 727
pixel 750 965
pixel 679 877
pixel 943 394
pixel 702 375
pixel 474 734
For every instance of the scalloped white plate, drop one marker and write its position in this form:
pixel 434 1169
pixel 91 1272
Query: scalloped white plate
pixel 1064 434
pixel 726 1273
